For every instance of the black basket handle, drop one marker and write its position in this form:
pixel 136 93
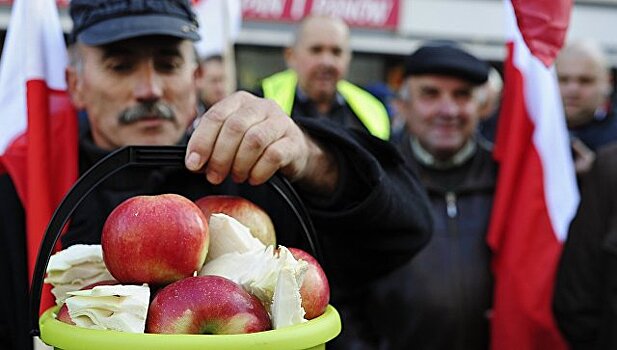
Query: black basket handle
pixel 150 156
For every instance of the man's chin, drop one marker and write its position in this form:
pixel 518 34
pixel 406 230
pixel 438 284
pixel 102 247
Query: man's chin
pixel 578 118
pixel 445 150
pixel 323 95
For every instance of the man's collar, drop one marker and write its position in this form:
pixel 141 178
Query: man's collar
pixel 427 159
pixel 600 113
pixel 303 98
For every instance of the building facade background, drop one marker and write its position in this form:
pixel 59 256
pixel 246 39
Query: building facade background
pixel 384 30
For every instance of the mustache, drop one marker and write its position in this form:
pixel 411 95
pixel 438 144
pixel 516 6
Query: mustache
pixel 326 69
pixel 157 110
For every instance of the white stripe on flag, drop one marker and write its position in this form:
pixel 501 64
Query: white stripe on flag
pixel 550 137
pixel 26 42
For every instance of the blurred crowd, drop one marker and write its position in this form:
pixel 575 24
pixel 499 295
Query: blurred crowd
pixel 437 112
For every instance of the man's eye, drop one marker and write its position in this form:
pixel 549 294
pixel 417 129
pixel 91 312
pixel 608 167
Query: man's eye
pixel 315 50
pixel 587 80
pixel 463 95
pixel 429 94
pixel 168 66
pixel 120 66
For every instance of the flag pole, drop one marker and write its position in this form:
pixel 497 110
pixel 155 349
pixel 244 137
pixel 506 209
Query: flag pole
pixel 229 56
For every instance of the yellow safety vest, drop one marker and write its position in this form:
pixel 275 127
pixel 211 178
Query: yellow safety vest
pixel 281 87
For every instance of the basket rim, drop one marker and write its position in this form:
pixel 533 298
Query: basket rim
pixel 302 336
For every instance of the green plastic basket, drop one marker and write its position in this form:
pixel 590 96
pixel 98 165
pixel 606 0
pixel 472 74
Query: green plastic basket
pixel 309 335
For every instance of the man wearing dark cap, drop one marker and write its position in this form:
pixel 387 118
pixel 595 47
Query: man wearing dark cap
pixel 441 299
pixel 133 74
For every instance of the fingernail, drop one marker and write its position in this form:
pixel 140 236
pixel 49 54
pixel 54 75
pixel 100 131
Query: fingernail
pixel 192 161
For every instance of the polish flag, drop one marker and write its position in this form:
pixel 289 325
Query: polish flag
pixel 536 195
pixel 38 125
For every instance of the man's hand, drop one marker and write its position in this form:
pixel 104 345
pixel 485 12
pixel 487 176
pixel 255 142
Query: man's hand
pixel 252 138
pixel 583 157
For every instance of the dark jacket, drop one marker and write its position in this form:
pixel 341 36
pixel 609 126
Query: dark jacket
pixel 441 299
pixel 377 219
pixel 599 131
pixel 585 299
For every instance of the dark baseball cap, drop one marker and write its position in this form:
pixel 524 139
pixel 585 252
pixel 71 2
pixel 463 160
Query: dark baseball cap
pixel 446 58
pixel 99 22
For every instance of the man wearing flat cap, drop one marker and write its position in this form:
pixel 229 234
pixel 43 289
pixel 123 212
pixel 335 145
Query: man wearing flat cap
pixel 133 76
pixel 441 299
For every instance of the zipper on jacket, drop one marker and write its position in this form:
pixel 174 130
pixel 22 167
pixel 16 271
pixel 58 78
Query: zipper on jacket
pixel 451 205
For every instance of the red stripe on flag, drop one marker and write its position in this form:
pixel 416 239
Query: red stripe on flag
pixel 43 164
pixel 543 25
pixel 39 126
pixel 525 247
pixel 38 189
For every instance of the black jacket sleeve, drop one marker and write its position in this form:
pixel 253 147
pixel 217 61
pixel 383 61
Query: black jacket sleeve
pixel 13 271
pixel 582 300
pixel 380 215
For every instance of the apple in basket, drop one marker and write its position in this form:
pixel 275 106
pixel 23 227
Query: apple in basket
pixel 315 290
pixel 206 305
pixel 155 239
pixel 63 313
pixel 246 212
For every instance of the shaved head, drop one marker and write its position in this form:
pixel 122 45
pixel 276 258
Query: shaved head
pixel 320 56
pixel 311 24
pixel 584 81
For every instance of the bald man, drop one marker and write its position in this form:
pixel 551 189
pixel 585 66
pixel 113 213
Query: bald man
pixel 585 86
pixel 314 85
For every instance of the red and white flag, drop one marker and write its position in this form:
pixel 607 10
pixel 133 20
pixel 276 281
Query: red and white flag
pixel 38 125
pixel 536 195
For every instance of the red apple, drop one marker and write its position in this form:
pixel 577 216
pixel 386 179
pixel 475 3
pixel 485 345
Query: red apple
pixel 155 239
pixel 206 305
pixel 315 290
pixel 246 212
pixel 63 313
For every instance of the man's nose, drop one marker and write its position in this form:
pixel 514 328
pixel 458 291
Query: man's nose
pixel 327 58
pixel 149 85
pixel 448 106
pixel 570 86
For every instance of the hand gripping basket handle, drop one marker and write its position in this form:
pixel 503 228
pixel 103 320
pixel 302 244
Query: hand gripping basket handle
pixel 148 156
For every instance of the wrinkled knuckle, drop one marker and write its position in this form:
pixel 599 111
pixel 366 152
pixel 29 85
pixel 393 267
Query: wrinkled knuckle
pixel 215 115
pixel 239 171
pixel 256 138
pixel 274 155
pixel 197 142
pixel 251 110
pixel 216 163
pixel 244 95
pixel 237 126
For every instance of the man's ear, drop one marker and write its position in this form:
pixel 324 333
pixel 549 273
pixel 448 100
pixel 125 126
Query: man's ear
pixel 399 104
pixel 290 59
pixel 74 86
pixel 609 86
pixel 198 75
